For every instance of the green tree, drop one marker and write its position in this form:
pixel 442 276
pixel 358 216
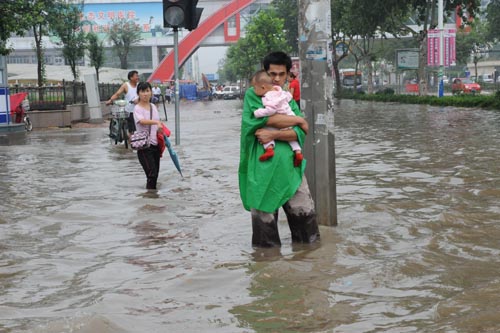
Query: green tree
pixel 288 11
pixel 264 34
pixel 425 14
pixel 19 16
pixel 473 45
pixel 124 34
pixel 226 73
pixel 493 17
pixel 72 40
pixel 365 22
pixel 339 14
pixel 12 22
pixel 38 19
pixel 95 48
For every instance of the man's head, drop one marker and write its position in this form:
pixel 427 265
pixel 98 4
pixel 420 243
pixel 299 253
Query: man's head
pixel 262 83
pixel 133 76
pixel 277 65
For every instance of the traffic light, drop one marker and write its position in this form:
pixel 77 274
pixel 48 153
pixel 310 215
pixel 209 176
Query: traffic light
pixel 194 15
pixel 181 14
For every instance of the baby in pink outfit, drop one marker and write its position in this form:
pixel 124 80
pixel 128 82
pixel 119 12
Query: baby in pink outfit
pixel 275 100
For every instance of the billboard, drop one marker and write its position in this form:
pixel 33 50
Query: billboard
pixel 98 17
pixel 407 59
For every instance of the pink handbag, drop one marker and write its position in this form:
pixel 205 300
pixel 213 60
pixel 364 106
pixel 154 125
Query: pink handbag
pixel 140 140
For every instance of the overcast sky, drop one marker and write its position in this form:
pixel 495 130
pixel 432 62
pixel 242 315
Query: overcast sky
pixel 209 57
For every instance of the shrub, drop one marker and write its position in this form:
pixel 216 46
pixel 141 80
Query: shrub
pixel 468 101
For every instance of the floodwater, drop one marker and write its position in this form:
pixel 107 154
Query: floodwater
pixel 84 247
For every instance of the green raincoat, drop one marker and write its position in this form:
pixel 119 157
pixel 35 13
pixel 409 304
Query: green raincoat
pixel 266 185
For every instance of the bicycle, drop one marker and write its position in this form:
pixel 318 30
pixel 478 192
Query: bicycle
pixel 20 105
pixel 25 105
pixel 118 125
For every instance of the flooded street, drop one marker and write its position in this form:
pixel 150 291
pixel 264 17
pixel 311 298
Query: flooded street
pixel 84 247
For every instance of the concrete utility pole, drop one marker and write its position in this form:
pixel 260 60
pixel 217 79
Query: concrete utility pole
pixel 93 99
pixel 315 40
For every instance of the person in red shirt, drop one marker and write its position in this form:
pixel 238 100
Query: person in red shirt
pixel 294 88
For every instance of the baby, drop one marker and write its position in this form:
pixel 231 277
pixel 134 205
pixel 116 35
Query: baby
pixel 275 100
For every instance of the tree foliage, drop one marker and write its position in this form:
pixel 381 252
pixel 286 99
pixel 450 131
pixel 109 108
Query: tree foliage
pixel 72 39
pixel 359 24
pixel 473 45
pixel 426 15
pixel 339 14
pixel 124 34
pixel 288 11
pixel 95 49
pixel 493 17
pixel 12 22
pixel 38 17
pixel 264 34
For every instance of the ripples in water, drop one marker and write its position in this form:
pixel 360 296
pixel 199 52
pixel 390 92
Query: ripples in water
pixel 85 248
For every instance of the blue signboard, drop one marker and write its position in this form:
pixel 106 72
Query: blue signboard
pixel 4 105
pixel 212 77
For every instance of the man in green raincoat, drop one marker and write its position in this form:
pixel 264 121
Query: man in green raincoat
pixel 265 186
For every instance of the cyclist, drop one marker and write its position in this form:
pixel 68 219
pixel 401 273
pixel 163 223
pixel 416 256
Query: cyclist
pixel 130 90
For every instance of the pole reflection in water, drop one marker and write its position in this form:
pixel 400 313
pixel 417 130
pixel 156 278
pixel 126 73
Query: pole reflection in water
pixel 84 247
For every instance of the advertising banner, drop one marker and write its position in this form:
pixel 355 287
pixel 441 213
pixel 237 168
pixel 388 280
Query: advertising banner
pixel 433 47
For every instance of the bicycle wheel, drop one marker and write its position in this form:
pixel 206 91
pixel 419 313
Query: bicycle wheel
pixel 125 133
pixel 27 124
pixel 116 130
pixel 112 129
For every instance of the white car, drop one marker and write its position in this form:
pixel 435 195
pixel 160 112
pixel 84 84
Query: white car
pixel 229 92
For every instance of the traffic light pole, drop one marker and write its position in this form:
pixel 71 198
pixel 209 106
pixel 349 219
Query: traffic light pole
pixel 179 14
pixel 176 73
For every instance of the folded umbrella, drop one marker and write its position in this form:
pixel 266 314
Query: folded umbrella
pixel 171 151
pixel 173 155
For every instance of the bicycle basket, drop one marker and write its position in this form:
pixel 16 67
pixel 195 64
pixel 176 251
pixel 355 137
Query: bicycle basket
pixel 119 112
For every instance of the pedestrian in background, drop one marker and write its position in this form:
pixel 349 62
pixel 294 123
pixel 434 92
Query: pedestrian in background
pixel 168 94
pixel 130 90
pixel 294 88
pixel 156 94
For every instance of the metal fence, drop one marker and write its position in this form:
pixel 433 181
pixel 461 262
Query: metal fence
pixel 56 97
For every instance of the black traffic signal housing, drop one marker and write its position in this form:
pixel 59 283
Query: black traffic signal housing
pixel 181 14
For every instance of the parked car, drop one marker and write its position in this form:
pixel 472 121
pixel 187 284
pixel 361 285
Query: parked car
pixel 486 78
pixel 229 92
pixel 465 86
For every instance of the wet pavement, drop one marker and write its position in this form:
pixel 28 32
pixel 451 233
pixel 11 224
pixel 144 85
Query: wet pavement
pixel 85 248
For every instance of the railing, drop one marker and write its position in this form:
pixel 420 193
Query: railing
pixel 56 97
